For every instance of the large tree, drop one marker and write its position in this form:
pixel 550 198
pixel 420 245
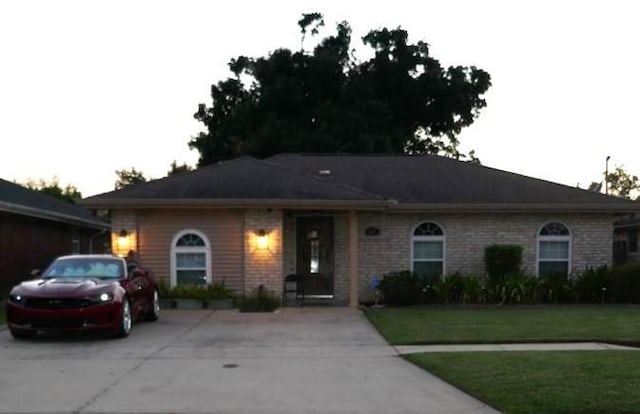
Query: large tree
pixel 176 168
pixel 68 193
pixel 326 101
pixel 620 183
pixel 128 177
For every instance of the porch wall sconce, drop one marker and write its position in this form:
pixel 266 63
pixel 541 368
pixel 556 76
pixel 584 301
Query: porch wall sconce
pixel 123 243
pixel 262 239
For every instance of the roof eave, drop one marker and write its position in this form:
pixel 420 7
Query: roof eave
pixel 226 203
pixel 51 215
pixel 618 208
pixel 388 205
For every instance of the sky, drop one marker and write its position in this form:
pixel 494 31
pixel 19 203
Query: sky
pixel 89 87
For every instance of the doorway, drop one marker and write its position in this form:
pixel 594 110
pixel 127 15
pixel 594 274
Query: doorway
pixel 314 240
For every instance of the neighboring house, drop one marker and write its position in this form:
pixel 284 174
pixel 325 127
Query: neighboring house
pixel 340 220
pixel 625 239
pixel 35 228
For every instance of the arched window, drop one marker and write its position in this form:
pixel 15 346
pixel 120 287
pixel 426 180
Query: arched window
pixel 427 249
pixel 554 249
pixel 190 258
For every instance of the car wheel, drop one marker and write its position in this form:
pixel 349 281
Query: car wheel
pixel 154 311
pixel 126 321
pixel 22 333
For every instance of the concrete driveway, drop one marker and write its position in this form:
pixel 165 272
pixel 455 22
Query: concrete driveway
pixel 299 360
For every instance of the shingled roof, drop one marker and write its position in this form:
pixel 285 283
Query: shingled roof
pixel 17 199
pixel 425 182
pixel 238 182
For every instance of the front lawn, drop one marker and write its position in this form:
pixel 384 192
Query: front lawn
pixel 491 324
pixel 587 382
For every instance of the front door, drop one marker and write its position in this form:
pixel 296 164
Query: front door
pixel 315 255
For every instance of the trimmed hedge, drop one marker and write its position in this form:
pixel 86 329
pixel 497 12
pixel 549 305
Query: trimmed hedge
pixel 501 260
pixel 619 284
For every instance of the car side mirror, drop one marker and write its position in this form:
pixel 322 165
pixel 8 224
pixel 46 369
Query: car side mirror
pixel 135 273
pixel 36 272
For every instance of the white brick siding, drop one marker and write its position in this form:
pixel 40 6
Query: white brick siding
pixel 466 236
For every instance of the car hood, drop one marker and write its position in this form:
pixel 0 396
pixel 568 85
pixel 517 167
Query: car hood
pixel 55 287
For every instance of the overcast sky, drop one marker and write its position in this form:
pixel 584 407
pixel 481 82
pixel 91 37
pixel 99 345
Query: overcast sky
pixel 88 87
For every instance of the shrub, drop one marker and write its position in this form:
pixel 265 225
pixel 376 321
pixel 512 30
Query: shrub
pixel 473 290
pixel 163 288
pixel 556 288
pixel 259 300
pixel 188 292
pixel 624 283
pixel 405 288
pixel 591 285
pixel 218 290
pixel 449 289
pixel 501 260
pixel 401 288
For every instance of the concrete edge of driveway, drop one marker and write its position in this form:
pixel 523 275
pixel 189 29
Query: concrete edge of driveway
pixel 576 346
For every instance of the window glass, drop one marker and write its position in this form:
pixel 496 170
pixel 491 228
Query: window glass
pixel 314 262
pixel 554 229
pixel 191 260
pixel 553 268
pixel 190 240
pixel 428 229
pixel 191 277
pixel 428 250
pixel 554 250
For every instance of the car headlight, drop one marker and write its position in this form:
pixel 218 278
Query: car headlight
pixel 16 298
pixel 103 297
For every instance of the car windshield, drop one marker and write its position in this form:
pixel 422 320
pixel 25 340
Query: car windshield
pixel 103 268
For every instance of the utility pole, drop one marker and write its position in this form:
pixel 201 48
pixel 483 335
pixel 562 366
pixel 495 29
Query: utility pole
pixel 606 175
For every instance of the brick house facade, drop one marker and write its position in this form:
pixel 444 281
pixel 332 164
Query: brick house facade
pixel 35 228
pixel 341 220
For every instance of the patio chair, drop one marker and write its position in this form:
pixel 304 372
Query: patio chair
pixel 293 284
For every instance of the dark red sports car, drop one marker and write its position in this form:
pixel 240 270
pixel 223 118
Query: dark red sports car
pixel 83 293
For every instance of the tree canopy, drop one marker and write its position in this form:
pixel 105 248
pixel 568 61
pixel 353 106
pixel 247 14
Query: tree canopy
pixel 620 183
pixel 68 193
pixel 176 168
pixel 401 100
pixel 128 177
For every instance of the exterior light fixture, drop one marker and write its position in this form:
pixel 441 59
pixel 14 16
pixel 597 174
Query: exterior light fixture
pixel 263 239
pixel 123 243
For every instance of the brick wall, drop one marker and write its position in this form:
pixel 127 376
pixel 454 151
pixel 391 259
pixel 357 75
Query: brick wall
pixel 263 266
pixel 467 235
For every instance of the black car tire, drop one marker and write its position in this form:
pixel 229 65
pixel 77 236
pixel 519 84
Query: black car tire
pixel 22 333
pixel 125 319
pixel 154 311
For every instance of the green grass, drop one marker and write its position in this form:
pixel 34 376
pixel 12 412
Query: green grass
pixel 586 382
pixel 490 324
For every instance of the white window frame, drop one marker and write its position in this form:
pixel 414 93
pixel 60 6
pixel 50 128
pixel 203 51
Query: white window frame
pixel 190 249
pixel 568 238
pixel 442 239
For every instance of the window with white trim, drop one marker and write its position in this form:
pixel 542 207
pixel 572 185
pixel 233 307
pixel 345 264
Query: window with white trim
pixel 427 249
pixel 554 249
pixel 190 259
